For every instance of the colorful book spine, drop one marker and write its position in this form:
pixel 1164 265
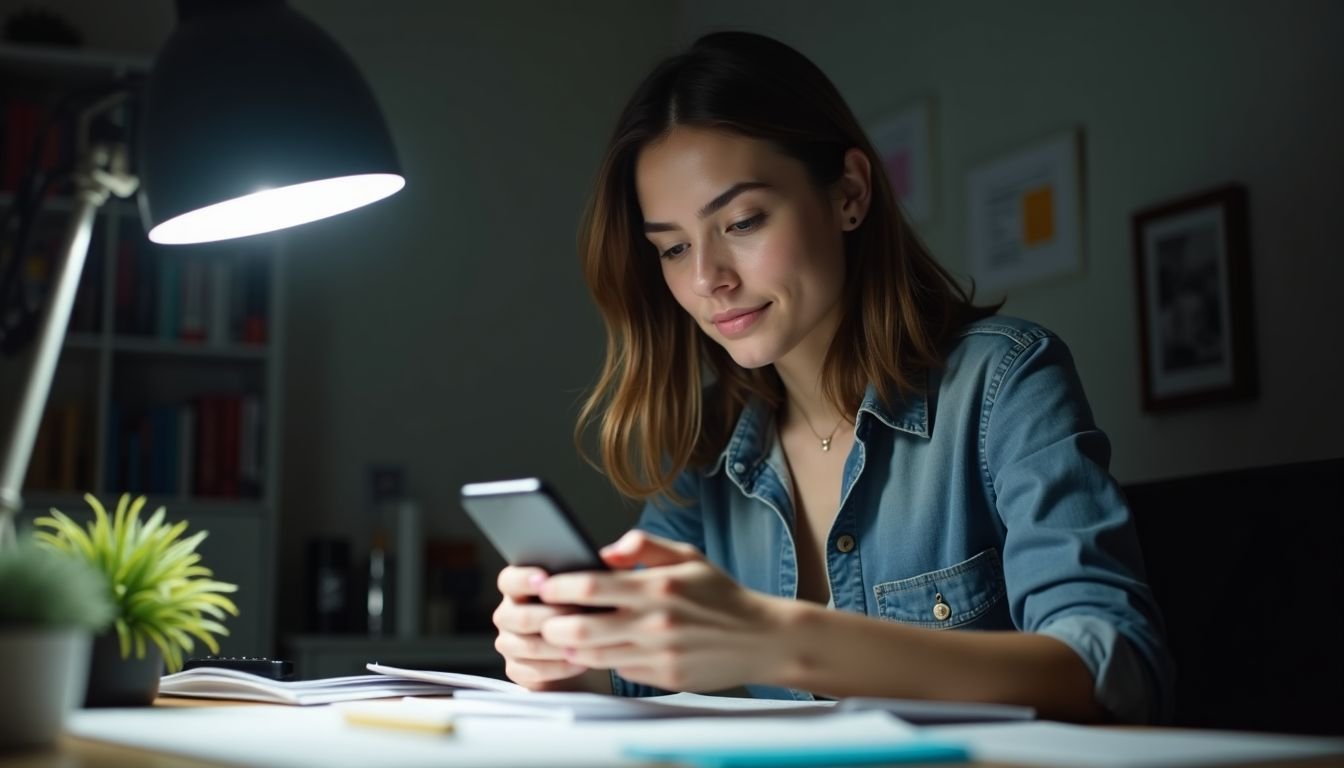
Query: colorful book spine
pixel 194 299
pixel 221 280
pixel 250 448
pixel 168 320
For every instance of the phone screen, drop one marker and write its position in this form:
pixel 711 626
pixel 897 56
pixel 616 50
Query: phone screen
pixel 528 524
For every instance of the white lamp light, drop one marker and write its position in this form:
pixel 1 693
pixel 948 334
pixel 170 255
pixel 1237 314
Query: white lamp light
pixel 253 119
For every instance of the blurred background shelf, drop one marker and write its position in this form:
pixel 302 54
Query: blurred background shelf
pixel 153 346
pixel 169 381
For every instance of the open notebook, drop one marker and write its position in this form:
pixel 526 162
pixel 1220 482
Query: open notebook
pixel 385 682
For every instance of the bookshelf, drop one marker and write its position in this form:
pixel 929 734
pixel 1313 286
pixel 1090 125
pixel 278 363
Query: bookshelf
pixel 169 380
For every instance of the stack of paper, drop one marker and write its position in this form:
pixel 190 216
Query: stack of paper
pixel 476 695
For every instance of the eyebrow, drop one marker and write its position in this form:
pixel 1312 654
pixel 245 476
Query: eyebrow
pixel 712 206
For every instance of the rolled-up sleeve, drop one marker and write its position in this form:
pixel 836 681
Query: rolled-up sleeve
pixel 1071 557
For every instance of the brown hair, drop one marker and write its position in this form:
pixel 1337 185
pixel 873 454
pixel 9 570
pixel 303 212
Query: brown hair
pixel 654 415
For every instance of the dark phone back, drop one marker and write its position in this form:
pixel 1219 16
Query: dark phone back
pixel 528 523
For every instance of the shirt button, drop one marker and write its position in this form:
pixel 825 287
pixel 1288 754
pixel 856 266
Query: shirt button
pixel 941 610
pixel 739 467
pixel 845 543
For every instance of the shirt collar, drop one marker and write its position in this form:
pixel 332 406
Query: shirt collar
pixel 746 447
pixel 910 412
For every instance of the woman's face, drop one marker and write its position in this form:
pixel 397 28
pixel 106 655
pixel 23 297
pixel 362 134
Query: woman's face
pixel 748 245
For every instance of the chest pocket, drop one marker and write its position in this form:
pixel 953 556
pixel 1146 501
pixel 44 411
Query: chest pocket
pixel 946 598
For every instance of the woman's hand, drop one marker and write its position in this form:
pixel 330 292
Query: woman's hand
pixel 528 659
pixel 678 623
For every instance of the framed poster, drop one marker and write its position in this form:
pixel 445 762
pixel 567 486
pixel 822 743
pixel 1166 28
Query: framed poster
pixel 1192 263
pixel 1025 215
pixel 904 141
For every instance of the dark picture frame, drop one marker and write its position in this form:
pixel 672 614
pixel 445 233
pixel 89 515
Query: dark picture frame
pixel 1196 322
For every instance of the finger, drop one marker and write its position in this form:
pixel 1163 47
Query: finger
pixel 604 590
pixel 527 618
pixel 532 674
pixel 624 589
pixel 617 656
pixel 588 630
pixel 637 548
pixel 527 648
pixel 656 629
pixel 515 581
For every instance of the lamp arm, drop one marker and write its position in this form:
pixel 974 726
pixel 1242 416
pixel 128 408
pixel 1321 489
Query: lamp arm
pixel 102 169
pixel 42 367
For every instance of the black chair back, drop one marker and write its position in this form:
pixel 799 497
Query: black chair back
pixel 1248 568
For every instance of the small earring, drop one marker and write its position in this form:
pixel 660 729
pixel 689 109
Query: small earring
pixel 853 220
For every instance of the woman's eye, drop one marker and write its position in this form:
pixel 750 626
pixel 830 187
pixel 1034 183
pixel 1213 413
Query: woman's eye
pixel 674 251
pixel 747 225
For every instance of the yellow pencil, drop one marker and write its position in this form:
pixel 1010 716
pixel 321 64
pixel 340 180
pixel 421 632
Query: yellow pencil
pixel 400 721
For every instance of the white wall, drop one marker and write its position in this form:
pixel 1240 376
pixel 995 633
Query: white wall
pixel 1173 98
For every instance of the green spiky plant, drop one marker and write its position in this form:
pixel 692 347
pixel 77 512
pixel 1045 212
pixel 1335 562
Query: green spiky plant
pixel 161 591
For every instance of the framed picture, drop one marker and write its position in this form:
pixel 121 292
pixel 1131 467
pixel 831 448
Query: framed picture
pixel 904 140
pixel 1196 326
pixel 1025 214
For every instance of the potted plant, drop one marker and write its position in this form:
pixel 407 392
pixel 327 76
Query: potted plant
pixel 50 606
pixel 165 600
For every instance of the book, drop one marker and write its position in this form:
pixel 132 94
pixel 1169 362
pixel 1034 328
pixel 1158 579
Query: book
pixel 230 409
pixel 193 304
pixel 186 451
pixel 249 447
pixel 207 446
pixel 217 327
pixel 168 320
pixel 385 682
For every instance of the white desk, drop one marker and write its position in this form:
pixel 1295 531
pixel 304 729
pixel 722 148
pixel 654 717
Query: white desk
pixel 280 736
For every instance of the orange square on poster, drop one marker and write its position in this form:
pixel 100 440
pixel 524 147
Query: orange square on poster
pixel 1038 215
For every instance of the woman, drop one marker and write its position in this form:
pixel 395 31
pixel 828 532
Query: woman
pixel 841 455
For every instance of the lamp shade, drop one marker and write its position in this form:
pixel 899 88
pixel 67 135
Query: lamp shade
pixel 254 120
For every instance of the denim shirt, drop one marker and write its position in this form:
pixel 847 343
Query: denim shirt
pixel 982 503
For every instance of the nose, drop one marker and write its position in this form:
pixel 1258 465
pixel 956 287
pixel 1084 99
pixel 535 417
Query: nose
pixel 713 269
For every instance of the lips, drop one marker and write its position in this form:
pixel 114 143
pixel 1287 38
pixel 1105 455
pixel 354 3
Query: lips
pixel 733 323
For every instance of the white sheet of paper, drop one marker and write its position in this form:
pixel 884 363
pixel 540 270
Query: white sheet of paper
pixel 1050 744
pixel 595 706
pixel 454 679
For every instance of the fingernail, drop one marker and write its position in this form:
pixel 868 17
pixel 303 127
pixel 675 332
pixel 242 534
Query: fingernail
pixel 621 545
pixel 536 580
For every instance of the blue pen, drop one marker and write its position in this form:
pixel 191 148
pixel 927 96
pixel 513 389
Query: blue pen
pixel 804 757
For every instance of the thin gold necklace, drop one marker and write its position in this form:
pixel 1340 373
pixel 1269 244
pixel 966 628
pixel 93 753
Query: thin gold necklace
pixel 825 441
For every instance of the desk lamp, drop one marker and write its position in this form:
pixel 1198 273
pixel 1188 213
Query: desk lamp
pixel 252 120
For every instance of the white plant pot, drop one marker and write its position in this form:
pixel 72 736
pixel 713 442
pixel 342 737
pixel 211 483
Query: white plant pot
pixel 42 673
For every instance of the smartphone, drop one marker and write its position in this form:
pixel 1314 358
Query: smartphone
pixel 530 525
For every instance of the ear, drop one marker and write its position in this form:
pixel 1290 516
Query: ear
pixel 853 190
